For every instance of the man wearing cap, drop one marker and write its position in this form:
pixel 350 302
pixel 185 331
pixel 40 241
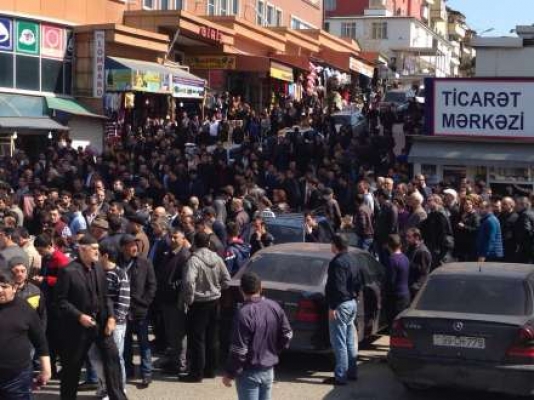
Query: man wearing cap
pixel 87 316
pixel 142 292
pixel 136 228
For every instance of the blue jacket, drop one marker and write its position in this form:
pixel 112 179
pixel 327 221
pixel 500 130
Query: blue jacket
pixel 489 238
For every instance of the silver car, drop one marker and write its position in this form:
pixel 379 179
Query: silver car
pixel 471 326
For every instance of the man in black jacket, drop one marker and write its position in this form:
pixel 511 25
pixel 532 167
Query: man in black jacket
pixel 507 219
pixel 86 316
pixel 437 232
pixel 340 294
pixel 524 232
pixel 142 291
pixel 170 293
pixel 420 260
pixel 387 223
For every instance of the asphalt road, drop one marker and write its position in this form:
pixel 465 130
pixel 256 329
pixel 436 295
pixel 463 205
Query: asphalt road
pixel 298 377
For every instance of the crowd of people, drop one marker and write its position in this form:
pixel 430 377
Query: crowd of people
pixel 169 227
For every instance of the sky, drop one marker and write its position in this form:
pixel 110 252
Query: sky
pixel 502 15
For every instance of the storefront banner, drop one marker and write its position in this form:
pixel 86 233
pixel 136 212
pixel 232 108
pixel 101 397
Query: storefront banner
pixel 482 107
pixel 211 62
pixel 119 80
pixel 69 44
pixel 99 60
pixel 146 81
pixel 52 41
pixel 6 34
pixel 180 89
pixel 27 37
pixel 360 67
pixel 281 72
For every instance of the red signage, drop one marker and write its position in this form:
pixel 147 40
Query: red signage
pixel 210 33
pixel 52 41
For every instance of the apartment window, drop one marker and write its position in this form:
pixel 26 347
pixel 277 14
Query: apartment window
pixel 270 15
pixel 379 30
pixel 299 24
pixel 327 26
pixel 279 17
pixel 171 4
pixel 348 29
pixel 330 5
pixel 260 11
pixel 223 7
pixel 148 4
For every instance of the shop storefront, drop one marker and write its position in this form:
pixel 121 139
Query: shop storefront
pixel 480 130
pixel 36 83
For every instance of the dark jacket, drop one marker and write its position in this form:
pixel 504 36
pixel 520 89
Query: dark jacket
pixel 257 244
pixel 142 285
pixel 364 222
pixel 171 274
pixel 438 237
pixel 465 238
pixel 507 221
pixel 420 266
pixel 339 284
pixel 386 222
pixel 524 236
pixel 236 255
pixel 74 297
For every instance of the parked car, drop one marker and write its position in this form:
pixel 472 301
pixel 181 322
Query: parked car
pixel 294 275
pixel 394 99
pixel 290 227
pixel 355 119
pixel 471 326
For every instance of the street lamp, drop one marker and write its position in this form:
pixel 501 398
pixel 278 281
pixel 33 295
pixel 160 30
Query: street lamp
pixel 485 31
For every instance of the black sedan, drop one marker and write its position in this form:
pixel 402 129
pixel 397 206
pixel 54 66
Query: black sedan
pixel 294 275
pixel 471 326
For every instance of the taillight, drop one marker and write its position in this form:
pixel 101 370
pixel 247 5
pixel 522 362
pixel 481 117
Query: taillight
pixel 523 347
pixel 307 311
pixel 399 337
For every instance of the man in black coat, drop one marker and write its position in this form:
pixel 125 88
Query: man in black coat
pixel 142 291
pixel 507 219
pixel 86 316
pixel 387 223
pixel 437 232
pixel 524 231
pixel 420 260
pixel 169 295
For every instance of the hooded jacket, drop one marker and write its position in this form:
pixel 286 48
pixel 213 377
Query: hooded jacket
pixel 206 277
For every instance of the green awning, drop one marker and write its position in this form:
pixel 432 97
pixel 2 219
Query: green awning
pixel 31 124
pixel 70 106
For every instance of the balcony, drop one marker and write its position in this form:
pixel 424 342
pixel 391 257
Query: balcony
pixel 438 11
pixel 456 31
pixel 377 8
pixel 425 13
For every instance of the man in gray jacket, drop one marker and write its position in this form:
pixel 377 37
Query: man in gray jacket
pixel 206 277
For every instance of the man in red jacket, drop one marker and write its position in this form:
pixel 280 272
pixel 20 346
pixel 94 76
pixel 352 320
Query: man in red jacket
pixel 52 261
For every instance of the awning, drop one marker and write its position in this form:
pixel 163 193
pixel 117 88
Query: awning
pixel 472 153
pixel 70 106
pixel 27 123
pixel 178 74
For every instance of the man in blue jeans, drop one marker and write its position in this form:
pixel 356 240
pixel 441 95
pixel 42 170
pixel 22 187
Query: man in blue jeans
pixel 261 331
pixel 341 291
pixel 142 279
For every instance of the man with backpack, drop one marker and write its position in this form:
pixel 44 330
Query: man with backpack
pixel 237 251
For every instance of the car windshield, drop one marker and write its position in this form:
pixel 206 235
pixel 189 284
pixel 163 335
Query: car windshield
pixel 292 269
pixel 475 295
pixel 397 97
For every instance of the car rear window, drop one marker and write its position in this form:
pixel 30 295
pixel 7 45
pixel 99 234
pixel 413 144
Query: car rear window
pixel 286 234
pixel 475 295
pixel 291 269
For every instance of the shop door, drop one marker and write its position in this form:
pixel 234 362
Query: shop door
pixel 453 174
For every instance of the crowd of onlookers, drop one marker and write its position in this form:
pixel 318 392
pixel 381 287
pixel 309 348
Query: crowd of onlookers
pixel 158 212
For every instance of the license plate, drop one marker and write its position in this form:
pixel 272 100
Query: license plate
pixel 463 342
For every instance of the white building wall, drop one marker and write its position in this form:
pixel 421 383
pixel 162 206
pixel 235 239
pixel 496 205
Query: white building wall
pixel 506 62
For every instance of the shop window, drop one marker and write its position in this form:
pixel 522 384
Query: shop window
pixel 27 73
pixel 6 70
pixel 379 30
pixel 509 175
pixel 431 173
pixel 67 78
pixel 348 29
pixel 51 76
pixel 211 7
pixel 223 7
